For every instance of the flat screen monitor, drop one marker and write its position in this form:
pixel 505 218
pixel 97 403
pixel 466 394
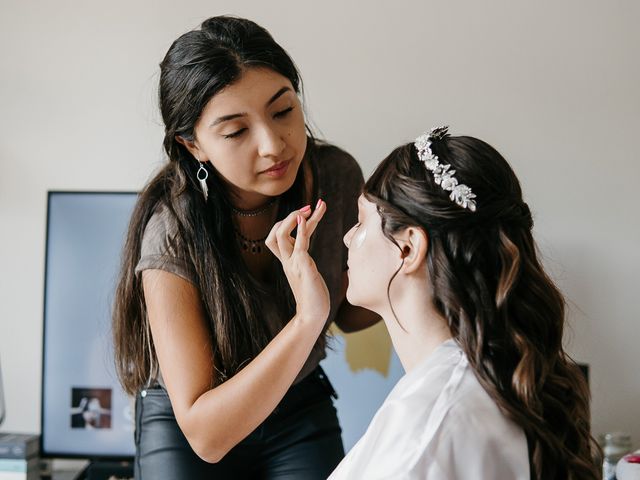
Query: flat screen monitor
pixel 84 411
pixel 2 409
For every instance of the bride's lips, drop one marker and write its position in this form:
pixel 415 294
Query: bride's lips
pixel 278 170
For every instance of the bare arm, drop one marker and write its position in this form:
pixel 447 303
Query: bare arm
pixel 351 318
pixel 216 419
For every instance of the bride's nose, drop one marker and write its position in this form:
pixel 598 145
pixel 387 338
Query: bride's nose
pixel 348 236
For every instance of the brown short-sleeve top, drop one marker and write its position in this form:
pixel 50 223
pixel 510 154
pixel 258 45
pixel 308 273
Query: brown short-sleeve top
pixel 339 182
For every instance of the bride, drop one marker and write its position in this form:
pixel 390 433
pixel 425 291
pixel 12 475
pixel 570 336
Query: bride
pixel 443 251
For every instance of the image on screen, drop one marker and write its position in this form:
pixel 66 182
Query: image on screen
pixel 91 408
pixel 85 413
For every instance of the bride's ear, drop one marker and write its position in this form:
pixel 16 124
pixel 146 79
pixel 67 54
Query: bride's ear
pixel 414 243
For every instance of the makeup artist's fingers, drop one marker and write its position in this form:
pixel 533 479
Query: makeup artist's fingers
pixel 302 236
pixel 283 234
pixel 271 242
pixel 318 213
pixel 279 240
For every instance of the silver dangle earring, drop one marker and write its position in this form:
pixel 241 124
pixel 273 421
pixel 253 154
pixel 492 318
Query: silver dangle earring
pixel 202 176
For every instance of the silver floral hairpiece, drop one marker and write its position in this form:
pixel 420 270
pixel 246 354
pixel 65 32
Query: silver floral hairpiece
pixel 460 193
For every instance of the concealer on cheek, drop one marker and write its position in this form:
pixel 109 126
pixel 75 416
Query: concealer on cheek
pixel 359 237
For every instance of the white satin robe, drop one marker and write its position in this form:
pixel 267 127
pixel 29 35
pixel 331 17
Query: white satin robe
pixel 438 423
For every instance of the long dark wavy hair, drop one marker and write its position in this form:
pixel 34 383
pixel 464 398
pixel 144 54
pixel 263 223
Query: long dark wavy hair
pixel 198 65
pixel 488 283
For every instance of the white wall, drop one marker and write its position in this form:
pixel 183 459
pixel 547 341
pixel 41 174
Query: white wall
pixel 554 85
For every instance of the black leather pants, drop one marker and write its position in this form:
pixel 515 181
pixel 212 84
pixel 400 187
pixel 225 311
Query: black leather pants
pixel 301 439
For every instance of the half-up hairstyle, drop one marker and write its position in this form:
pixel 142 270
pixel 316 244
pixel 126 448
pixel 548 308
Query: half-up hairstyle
pixel 501 307
pixel 197 66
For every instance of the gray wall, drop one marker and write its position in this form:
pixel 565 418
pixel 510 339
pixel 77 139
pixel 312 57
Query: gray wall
pixel 553 85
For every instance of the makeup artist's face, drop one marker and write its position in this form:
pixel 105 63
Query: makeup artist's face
pixel 253 133
pixel 373 259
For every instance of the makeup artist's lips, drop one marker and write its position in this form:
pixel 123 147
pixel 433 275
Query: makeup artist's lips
pixel 278 170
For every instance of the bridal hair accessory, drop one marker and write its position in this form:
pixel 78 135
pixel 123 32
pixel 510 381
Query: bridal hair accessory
pixel 202 176
pixel 460 193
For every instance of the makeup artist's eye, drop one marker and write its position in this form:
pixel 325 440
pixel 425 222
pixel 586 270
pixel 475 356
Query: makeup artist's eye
pixel 235 134
pixel 283 113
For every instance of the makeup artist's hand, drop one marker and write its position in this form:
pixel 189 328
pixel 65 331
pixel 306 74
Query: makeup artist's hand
pixel 308 286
